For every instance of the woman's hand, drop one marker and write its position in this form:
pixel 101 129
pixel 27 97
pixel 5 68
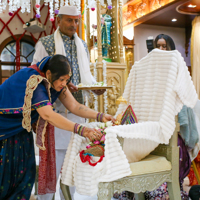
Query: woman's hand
pixel 107 117
pixel 92 134
pixel 72 87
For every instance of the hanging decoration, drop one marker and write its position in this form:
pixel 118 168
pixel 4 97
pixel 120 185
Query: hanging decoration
pixel 2 5
pixel 53 6
pixel 37 5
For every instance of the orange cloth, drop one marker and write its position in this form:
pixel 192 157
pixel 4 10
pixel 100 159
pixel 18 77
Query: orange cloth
pixel 191 175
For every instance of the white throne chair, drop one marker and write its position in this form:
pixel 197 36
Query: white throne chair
pixel 157 87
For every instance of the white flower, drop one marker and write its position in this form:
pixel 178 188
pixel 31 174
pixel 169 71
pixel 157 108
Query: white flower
pixel 102 125
pixel 109 123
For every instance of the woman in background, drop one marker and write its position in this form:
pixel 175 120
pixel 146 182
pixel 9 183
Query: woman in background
pixel 165 42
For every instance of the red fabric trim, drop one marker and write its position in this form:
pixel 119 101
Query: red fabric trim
pixel 37 69
pixel 47 164
pixel 88 158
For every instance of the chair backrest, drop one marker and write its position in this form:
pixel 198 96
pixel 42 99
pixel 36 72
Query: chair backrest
pixel 151 86
pixel 150 90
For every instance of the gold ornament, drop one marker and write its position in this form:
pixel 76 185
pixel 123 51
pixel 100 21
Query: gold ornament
pixel 70 73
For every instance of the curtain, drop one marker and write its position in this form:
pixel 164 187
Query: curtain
pixel 195 53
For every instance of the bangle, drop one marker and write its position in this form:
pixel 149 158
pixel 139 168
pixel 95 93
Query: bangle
pixel 76 128
pixel 79 129
pixel 82 131
pixel 100 117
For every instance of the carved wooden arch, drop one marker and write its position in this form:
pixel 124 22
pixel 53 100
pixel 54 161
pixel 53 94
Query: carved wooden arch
pixel 25 38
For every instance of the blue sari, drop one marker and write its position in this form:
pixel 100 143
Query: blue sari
pixel 17 157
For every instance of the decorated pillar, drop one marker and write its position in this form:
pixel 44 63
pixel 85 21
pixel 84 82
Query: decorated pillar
pixel 83 19
pixel 88 29
pixel 120 33
pixel 195 49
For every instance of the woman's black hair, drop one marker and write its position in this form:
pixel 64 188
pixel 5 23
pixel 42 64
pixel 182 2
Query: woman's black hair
pixel 168 39
pixel 58 66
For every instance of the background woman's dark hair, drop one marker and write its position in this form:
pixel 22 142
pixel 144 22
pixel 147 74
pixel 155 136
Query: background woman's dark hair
pixel 58 65
pixel 168 39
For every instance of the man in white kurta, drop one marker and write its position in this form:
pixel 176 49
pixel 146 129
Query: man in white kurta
pixel 66 42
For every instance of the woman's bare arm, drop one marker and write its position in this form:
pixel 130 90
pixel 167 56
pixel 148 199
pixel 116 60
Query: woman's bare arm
pixel 57 120
pixel 47 113
pixel 75 107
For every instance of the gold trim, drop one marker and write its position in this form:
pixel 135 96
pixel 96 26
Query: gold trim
pixel 40 102
pixel 22 107
pixel 2 135
pixel 43 134
pixel 41 63
pixel 192 43
pixel 32 84
pixel 48 86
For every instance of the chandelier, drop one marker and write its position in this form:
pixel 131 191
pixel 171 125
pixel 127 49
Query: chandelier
pixel 54 5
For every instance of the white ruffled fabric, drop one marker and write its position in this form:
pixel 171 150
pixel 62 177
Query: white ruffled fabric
pixel 86 177
pixel 157 87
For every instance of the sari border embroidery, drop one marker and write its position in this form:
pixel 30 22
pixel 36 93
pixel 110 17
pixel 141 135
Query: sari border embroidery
pixel 20 110
pixel 31 85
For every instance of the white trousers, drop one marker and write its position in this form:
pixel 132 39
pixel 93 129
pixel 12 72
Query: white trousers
pixel 60 155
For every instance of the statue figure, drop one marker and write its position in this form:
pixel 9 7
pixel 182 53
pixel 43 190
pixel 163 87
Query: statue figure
pixel 105 31
pixel 113 94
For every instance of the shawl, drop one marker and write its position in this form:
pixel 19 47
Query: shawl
pixel 157 87
pixel 83 62
pixel 188 128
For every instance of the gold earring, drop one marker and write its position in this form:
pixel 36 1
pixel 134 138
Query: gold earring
pixel 70 73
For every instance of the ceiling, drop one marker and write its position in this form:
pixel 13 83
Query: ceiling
pixel 165 16
pixel 165 19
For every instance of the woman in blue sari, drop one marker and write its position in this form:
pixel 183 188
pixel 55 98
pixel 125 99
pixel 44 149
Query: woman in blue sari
pixel 27 97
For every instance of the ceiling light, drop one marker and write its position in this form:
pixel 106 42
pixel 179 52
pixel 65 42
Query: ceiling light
pixel 174 20
pixel 192 6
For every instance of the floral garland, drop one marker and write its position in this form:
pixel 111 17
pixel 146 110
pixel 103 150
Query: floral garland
pixel 2 5
pixel 95 96
pixel 93 4
pixel 95 146
pixel 53 6
pixel 26 6
pixel 105 82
